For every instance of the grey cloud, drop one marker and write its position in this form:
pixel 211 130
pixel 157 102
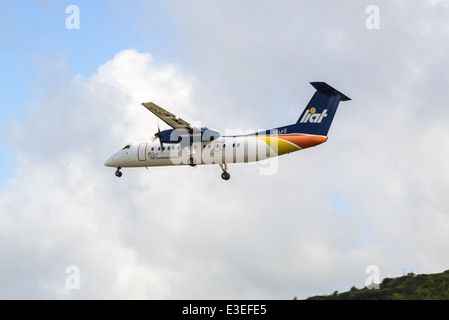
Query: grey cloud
pixel 184 233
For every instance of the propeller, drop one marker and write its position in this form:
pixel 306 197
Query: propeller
pixel 158 135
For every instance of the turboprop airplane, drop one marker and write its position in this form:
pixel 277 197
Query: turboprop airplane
pixel 185 144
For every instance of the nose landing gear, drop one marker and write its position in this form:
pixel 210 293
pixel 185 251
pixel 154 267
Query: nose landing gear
pixel 118 173
pixel 225 175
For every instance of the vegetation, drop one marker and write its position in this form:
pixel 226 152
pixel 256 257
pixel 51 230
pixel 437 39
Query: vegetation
pixel 409 287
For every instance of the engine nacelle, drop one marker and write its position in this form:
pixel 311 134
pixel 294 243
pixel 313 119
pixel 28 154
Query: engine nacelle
pixel 209 135
pixel 182 135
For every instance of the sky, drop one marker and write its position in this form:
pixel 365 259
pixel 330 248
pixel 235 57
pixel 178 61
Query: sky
pixel 375 194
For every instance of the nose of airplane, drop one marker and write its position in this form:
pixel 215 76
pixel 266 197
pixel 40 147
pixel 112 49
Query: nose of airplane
pixel 110 162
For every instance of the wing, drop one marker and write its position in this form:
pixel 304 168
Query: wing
pixel 169 118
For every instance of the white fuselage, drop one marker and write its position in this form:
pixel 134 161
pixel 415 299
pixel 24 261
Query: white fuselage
pixel 224 150
pixel 220 151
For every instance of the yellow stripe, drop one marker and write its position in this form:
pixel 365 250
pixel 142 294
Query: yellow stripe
pixel 280 146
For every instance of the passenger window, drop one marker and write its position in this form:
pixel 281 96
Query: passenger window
pixel 152 149
pixel 158 148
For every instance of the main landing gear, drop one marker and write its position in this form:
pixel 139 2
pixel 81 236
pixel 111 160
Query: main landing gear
pixel 225 175
pixel 191 162
pixel 118 173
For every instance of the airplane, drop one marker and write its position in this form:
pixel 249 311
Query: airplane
pixel 186 144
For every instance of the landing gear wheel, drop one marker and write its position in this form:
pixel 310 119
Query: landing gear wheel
pixel 225 176
pixel 118 173
pixel 191 162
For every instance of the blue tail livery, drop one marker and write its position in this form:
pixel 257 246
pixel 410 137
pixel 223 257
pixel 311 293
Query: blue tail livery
pixel 319 113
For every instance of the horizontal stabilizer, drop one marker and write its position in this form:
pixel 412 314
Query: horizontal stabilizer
pixel 324 88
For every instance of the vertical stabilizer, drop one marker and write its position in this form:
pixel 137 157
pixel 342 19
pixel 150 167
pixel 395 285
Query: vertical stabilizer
pixel 318 115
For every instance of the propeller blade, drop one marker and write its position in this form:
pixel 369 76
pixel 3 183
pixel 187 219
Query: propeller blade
pixel 158 134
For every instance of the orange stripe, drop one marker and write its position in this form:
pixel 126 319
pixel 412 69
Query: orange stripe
pixel 304 141
pixel 290 143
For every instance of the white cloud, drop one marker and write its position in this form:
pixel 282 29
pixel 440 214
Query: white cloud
pixel 57 209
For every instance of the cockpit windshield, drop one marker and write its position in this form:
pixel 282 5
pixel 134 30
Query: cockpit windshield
pixel 127 147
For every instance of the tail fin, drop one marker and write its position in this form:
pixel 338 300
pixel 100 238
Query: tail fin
pixel 317 117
